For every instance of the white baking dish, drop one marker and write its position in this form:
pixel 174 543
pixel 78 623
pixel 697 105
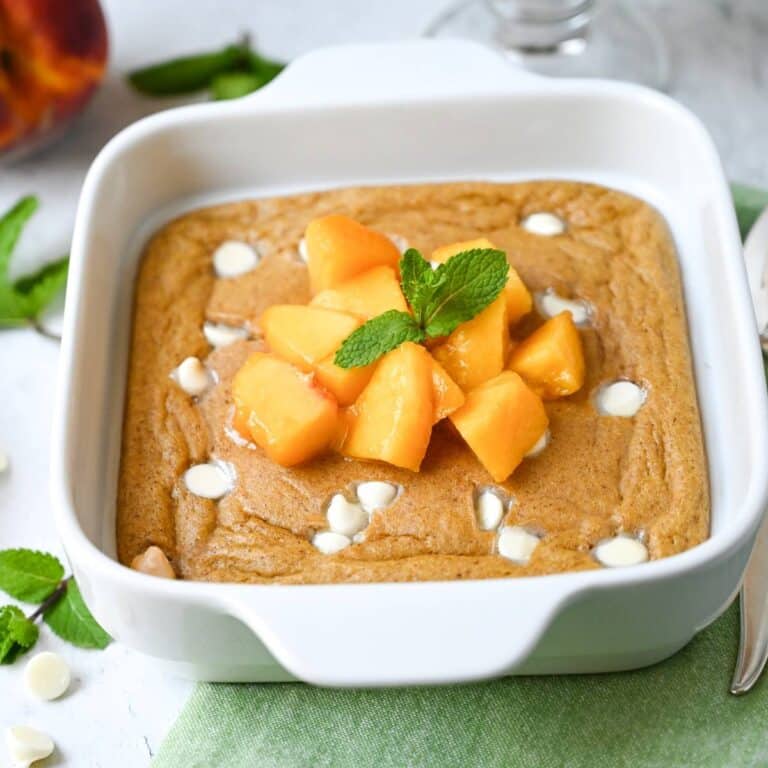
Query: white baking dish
pixel 423 110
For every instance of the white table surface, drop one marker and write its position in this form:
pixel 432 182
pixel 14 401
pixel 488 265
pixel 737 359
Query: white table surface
pixel 120 706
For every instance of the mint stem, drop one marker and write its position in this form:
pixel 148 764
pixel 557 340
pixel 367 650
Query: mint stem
pixel 51 600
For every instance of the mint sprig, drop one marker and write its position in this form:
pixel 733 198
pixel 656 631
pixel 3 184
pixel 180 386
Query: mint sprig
pixel 22 301
pixel 38 577
pixel 440 299
pixel 228 73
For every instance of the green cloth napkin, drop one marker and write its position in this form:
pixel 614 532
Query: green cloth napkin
pixel 677 713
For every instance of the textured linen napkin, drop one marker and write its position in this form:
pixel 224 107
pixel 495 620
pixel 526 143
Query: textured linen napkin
pixel 677 713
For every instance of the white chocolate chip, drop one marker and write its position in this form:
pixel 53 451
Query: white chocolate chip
pixel 329 543
pixel 153 562
pixel 192 376
pixel 621 551
pixel 489 509
pixel 233 258
pixel 4 462
pixel 219 335
pixel 620 398
pixel 47 676
pixel 376 494
pixel 400 242
pixel 550 304
pixel 344 517
pixel 27 745
pixel 210 481
pixel 540 445
pixel 546 224
pixel 516 544
pixel 303 253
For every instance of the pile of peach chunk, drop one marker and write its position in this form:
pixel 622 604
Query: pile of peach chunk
pixel 296 404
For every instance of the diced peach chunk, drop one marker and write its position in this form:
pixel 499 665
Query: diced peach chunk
pixel 519 300
pixel 551 359
pixel 501 421
pixel 305 335
pixel 345 384
pixel 392 419
pixel 369 294
pixel 282 410
pixel 477 350
pixel 339 248
pixel 446 392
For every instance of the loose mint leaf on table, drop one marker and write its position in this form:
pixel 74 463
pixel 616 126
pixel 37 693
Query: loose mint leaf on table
pixel 29 576
pixel 465 285
pixel 229 73
pixel 71 620
pixel 377 337
pixel 17 633
pixel 233 85
pixel 21 302
pixel 186 74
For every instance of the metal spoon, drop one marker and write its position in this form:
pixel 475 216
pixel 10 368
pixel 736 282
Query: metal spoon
pixel 753 641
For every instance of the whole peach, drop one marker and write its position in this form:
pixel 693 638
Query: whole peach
pixel 53 55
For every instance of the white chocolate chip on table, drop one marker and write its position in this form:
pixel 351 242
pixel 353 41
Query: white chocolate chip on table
pixel 47 676
pixel 621 551
pixel 210 481
pixel 376 494
pixel 153 562
pixel 550 304
pixel 345 517
pixel 516 543
pixel 220 335
pixel 192 376
pixel 620 398
pixel 27 745
pixel 539 445
pixel 234 258
pixel 544 224
pixel 329 543
pixel 489 509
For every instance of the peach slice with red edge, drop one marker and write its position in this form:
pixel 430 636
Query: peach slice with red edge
pixel 501 420
pixel 282 410
pixel 392 419
pixel 338 248
pixel 551 359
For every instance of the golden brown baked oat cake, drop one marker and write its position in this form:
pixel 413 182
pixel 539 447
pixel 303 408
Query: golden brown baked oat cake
pixel 599 476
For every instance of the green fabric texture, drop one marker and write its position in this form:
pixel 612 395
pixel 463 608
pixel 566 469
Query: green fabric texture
pixel 673 715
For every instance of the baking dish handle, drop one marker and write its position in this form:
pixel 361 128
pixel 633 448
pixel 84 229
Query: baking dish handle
pixel 399 634
pixel 385 71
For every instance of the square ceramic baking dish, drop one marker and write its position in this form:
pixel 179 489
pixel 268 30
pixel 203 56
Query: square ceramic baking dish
pixel 416 111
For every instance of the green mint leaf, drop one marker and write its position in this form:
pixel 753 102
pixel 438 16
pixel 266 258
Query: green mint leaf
pixel 71 620
pixel 187 74
pixel 11 226
pixel 29 576
pixel 377 337
pixel 44 285
pixel 17 633
pixel 418 281
pixel 23 301
pixel 465 285
pixel 233 85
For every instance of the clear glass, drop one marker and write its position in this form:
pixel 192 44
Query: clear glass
pixel 565 38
